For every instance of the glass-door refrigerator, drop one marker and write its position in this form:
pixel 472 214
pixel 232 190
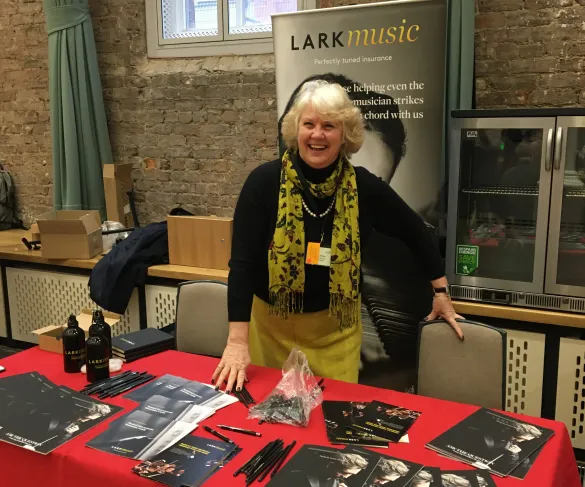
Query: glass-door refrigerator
pixel 516 223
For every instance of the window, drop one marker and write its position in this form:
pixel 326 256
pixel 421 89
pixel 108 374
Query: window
pixel 191 28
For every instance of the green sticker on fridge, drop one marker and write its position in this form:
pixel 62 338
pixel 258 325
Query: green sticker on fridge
pixel 467 259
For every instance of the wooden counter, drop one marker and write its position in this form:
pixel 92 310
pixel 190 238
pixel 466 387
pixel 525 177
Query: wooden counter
pixel 12 248
pixel 531 315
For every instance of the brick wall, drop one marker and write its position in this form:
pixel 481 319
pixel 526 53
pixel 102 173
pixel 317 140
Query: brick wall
pixel 530 53
pixel 195 128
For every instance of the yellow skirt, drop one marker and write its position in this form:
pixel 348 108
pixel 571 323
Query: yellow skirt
pixel 331 353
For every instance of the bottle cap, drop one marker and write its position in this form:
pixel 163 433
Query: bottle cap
pixel 95 315
pixel 72 320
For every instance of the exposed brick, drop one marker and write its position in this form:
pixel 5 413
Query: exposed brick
pixel 529 18
pixel 538 4
pixel 561 80
pixel 490 21
pixel 531 50
pixel 555 97
pixel 523 82
pixel 572 15
pixel 575 49
pixel 500 5
pixel 541 65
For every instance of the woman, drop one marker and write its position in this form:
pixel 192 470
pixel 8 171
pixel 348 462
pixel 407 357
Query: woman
pixel 299 227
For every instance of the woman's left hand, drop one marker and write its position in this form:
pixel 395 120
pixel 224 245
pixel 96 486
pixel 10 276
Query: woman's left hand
pixel 443 308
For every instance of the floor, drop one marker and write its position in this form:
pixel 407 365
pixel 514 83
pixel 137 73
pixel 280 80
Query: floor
pixel 6 352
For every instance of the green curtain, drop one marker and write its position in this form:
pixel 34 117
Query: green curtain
pixel 79 129
pixel 460 68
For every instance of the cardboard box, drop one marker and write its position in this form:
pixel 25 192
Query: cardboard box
pixel 35 235
pixel 200 241
pixel 117 182
pixel 50 336
pixel 70 234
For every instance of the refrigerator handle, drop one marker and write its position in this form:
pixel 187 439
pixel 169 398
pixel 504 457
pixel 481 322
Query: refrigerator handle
pixel 558 141
pixel 548 155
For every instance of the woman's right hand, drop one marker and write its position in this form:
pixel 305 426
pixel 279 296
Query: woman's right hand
pixel 233 365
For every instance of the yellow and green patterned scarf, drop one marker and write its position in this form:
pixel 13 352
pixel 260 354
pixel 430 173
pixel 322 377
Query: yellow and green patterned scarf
pixel 286 256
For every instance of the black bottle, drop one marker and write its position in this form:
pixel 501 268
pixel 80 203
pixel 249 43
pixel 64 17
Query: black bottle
pixel 73 346
pixel 99 323
pixel 97 362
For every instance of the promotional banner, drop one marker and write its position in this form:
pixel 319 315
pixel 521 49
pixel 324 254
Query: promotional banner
pixel 390 58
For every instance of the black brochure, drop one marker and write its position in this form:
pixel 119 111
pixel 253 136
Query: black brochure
pixel 140 435
pixel 386 420
pixel 491 441
pixel 162 386
pixel 340 428
pixel 384 469
pixel 189 462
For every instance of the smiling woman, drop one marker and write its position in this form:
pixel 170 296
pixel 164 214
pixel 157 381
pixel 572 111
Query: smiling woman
pixel 299 227
pixel 318 129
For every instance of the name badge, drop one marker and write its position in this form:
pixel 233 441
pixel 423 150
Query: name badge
pixel 317 255
pixel 324 256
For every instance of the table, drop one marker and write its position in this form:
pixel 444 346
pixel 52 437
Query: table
pixel 74 464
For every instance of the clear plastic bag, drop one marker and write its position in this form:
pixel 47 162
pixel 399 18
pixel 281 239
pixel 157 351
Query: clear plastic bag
pixel 110 240
pixel 294 397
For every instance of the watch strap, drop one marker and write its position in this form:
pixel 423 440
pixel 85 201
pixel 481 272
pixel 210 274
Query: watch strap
pixel 441 290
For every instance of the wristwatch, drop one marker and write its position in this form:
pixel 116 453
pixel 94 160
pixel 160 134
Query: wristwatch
pixel 441 290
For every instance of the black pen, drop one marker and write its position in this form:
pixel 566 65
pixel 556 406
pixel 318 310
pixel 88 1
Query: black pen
pixel 238 430
pixel 282 458
pixel 126 387
pixel 241 398
pixel 248 396
pixel 126 381
pixel 244 467
pixel 113 383
pixel 217 434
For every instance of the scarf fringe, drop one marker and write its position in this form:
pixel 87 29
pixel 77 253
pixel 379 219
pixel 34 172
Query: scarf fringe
pixel 345 310
pixel 284 302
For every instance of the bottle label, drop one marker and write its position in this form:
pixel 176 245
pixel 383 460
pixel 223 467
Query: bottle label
pixel 74 354
pixel 99 363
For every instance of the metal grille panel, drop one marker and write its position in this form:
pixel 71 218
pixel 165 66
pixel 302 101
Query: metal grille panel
pixel 161 305
pixel 524 372
pixel 41 298
pixel 540 301
pixel 473 293
pixel 526 300
pixel 570 404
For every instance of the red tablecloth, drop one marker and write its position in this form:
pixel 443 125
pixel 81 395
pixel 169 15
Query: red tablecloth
pixel 74 464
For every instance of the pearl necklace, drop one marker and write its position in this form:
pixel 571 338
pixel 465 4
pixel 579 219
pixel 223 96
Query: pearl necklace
pixel 314 215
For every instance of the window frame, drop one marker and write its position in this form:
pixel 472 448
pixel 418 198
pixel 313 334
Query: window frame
pixel 231 44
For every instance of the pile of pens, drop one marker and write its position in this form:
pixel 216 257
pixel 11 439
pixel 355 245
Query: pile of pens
pixel 266 461
pixel 244 397
pixel 118 384
pixel 287 410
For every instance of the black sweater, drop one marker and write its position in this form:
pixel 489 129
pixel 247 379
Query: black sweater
pixel 380 208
